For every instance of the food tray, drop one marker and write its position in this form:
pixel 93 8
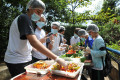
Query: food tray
pixel 31 69
pixel 68 74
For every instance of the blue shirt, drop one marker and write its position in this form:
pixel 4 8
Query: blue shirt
pixel 89 42
pixel 97 54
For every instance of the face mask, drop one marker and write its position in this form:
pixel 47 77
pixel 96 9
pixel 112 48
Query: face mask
pixel 62 35
pixel 35 17
pixel 83 39
pixel 40 24
pixel 75 35
pixel 90 36
pixel 54 31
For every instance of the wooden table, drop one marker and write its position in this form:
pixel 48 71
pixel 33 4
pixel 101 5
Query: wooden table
pixel 48 76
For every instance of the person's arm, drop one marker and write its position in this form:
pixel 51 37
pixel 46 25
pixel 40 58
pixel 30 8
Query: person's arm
pixel 40 47
pixel 50 45
pixel 99 53
pixel 86 43
pixel 90 44
pixel 78 39
pixel 34 49
pixel 71 41
pixel 64 40
pixel 43 40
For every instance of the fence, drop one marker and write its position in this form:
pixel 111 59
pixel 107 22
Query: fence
pixel 115 74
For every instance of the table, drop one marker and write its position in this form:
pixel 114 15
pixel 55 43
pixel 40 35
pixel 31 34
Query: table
pixel 48 76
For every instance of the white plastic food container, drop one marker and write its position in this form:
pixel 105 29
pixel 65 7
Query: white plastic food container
pixel 69 74
pixel 31 69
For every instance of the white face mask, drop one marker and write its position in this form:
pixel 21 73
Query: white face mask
pixel 90 36
pixel 83 39
pixel 40 24
pixel 75 35
pixel 61 34
pixel 35 17
pixel 54 31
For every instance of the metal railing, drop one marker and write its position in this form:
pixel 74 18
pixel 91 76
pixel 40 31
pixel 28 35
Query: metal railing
pixel 117 60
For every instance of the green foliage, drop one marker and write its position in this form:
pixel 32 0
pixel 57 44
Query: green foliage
pixel 107 12
pixel 115 46
pixel 7 14
pixel 110 31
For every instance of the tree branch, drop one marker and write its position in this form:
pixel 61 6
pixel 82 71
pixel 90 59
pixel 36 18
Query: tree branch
pixel 77 5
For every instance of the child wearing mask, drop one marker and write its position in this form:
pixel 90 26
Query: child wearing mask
pixel 54 43
pixel 75 39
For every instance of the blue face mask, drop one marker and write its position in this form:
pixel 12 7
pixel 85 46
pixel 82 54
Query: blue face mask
pixel 83 39
pixel 40 24
pixel 75 35
pixel 54 31
pixel 35 17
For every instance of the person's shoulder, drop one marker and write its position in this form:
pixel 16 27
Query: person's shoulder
pixel 99 39
pixel 59 36
pixel 36 31
pixel 72 37
pixel 78 38
pixel 89 38
pixel 43 31
pixel 50 33
pixel 24 17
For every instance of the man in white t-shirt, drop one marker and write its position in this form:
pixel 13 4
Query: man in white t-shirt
pixel 22 36
pixel 75 39
pixel 41 36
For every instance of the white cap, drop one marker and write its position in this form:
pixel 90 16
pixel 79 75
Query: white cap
pixel 35 4
pixel 82 32
pixel 62 28
pixel 57 24
pixel 92 27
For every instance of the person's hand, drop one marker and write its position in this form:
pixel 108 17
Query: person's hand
pixel 88 50
pixel 52 42
pixel 65 45
pixel 51 37
pixel 43 40
pixel 64 41
pixel 82 47
pixel 61 61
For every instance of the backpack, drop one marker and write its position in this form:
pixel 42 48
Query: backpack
pixel 108 66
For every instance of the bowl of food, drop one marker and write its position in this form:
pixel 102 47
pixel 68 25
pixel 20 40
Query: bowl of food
pixel 72 69
pixel 41 67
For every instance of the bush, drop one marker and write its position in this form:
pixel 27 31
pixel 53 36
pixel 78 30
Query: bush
pixel 110 31
pixel 115 46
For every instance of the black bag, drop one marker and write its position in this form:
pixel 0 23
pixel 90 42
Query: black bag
pixel 60 40
pixel 108 66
